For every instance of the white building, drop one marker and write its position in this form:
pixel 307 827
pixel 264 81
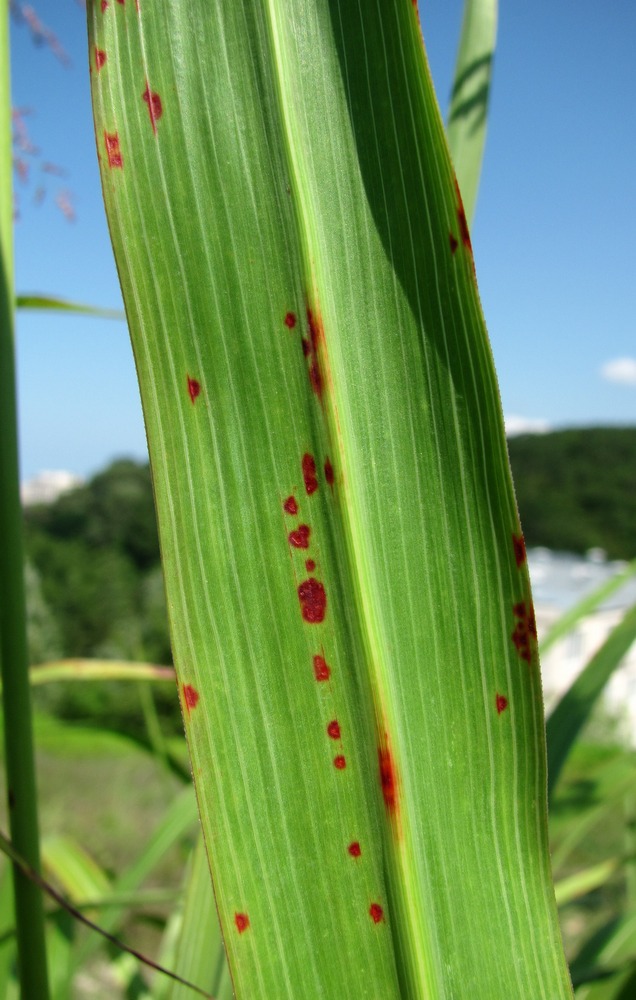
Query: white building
pixel 48 486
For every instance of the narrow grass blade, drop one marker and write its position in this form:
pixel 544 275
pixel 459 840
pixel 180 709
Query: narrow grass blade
pixel 468 114
pixel 179 819
pixel 51 304
pixel 199 952
pixel 574 708
pixel 610 952
pixel 607 788
pixel 98 670
pixel 72 868
pixel 350 606
pixel 574 886
pixel 14 660
pixel 586 606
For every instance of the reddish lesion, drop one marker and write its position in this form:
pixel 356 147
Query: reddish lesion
pixel 190 697
pixel 113 151
pixel 501 703
pixel 299 537
pixel 519 546
pixel 388 780
pixel 194 388
pixel 524 635
pixel 155 107
pixel 322 671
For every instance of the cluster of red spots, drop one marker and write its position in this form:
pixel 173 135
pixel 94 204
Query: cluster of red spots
pixel 299 538
pixel 100 58
pixel 322 671
pixel 194 388
pixel 155 107
pixel 525 632
pixel 242 922
pixel 113 152
pixel 310 350
pixel 290 506
pixel 501 702
pixel 310 565
pixel 387 778
pixel 290 320
pixel 190 696
pixel 339 762
pixel 309 473
pixel 333 730
pixel 376 913
pixel 354 849
pixel 313 600
pixel 329 476
pixel 519 546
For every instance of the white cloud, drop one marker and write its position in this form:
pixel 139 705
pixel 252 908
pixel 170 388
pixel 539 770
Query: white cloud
pixel 621 370
pixel 525 425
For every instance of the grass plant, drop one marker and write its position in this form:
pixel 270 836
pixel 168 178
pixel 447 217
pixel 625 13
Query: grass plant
pixel 347 585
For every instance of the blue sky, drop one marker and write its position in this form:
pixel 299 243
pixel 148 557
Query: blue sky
pixel 553 235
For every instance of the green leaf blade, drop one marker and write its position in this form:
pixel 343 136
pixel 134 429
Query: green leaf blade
pixel 299 170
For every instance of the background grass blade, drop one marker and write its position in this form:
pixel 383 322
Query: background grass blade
pixel 586 606
pixel 573 710
pixel 51 304
pixel 468 114
pixel 199 952
pixel 14 660
pixel 350 606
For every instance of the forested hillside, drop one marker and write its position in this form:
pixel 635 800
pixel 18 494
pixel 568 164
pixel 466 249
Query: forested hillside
pixel 94 579
pixel 576 489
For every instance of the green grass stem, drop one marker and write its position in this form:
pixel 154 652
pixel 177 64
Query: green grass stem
pixel 20 767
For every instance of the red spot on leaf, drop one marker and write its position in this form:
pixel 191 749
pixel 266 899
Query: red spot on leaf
pixel 502 703
pixel 190 696
pixel 329 476
pixel 461 219
pixel 155 108
pixel 315 328
pixel 333 730
pixel 290 506
pixel 194 388
pixel 519 545
pixel 310 565
pixel 299 538
pixel 354 849
pixel 321 671
pixel 113 152
pixel 339 762
pixel 104 5
pixel 376 913
pixel 242 922
pixel 290 320
pixel 525 632
pixel 453 243
pixel 313 600
pixel 309 473
pixel 387 778
pixel 315 378
pixel 100 58
pixel 121 2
